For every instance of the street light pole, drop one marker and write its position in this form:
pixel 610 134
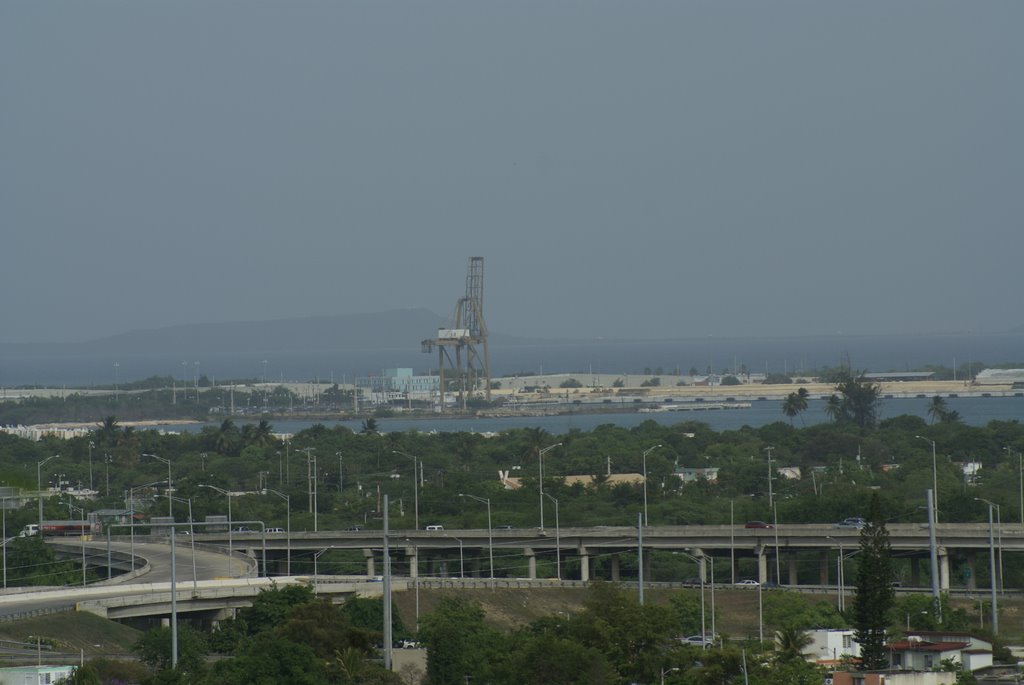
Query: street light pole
pixel 839 574
pixel 540 482
pixel 91 445
pixel 645 453
pixel 558 539
pixel 490 534
pixel 316 556
pixel 3 505
pixel 935 477
pixel 311 476
pixel 702 570
pixel 192 539
pixel 992 563
pixel 170 484
pixel 341 477
pixel 228 495
pixel 770 497
pixel 415 485
pixel 732 542
pixel 288 516
pixel 82 536
pixel 130 506
pixel 639 558
pixel 39 487
pixel 462 568
pixel 1020 467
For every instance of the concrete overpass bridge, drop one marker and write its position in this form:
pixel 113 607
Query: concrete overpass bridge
pixel 783 554
pixel 216 583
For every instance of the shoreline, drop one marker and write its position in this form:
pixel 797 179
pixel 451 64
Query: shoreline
pixel 682 400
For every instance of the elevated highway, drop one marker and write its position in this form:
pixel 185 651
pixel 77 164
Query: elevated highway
pixel 218 582
pixel 778 550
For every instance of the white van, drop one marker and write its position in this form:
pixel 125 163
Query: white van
pixel 435 527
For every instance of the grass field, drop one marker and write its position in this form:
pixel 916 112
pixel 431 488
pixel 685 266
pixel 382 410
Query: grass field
pixel 74 632
pixel 506 609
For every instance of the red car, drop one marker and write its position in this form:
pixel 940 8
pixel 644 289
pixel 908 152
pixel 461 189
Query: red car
pixel 758 524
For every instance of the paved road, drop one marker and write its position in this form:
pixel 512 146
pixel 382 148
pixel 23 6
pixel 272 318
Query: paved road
pixel 209 565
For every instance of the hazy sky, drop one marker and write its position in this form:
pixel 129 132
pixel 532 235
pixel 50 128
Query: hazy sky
pixel 641 169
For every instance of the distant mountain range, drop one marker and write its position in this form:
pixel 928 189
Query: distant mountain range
pixel 400 329
pixel 403 328
pixel 364 344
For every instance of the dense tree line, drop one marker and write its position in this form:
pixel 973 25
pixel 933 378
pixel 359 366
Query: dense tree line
pixel 840 465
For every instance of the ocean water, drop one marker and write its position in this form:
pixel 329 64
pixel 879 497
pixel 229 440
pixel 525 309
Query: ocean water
pixel 869 353
pixel 976 411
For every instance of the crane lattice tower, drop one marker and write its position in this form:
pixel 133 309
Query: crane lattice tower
pixel 462 355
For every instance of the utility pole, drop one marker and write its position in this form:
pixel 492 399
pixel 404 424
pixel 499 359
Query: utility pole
pixel 310 480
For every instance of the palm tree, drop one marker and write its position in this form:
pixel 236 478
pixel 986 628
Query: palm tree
pixel 260 435
pixel 349 663
pixel 108 433
pixel 227 437
pixel 804 395
pixel 937 409
pixel 791 407
pixel 860 398
pixel 791 643
pixel 801 403
pixel 834 408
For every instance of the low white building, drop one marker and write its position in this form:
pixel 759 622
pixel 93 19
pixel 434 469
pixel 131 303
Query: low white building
pixel 1010 377
pixel 692 475
pixel 35 675
pixel 926 650
pixel 831 645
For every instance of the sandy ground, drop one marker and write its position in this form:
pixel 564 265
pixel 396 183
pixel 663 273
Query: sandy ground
pixel 750 391
pixel 122 424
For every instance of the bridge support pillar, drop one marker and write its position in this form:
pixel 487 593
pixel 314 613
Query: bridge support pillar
pixel 793 580
pixel 413 557
pixel 915 572
pixel 823 567
pixel 972 577
pixel 584 564
pixel 615 567
pixel 222 615
pixel 762 567
pixel 368 553
pixel 943 555
pixel 531 563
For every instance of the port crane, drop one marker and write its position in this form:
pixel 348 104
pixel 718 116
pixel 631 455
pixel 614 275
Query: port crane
pixel 462 355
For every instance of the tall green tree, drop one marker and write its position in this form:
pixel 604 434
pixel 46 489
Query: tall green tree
pixel 795 404
pixel 859 399
pixel 791 406
pixel 267 659
pixel 459 644
pixel 154 649
pixel 108 434
pixel 937 408
pixel 834 408
pixel 875 594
